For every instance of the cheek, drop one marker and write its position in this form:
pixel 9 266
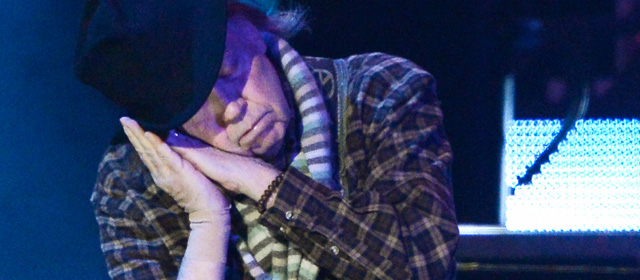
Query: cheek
pixel 220 141
pixel 205 128
pixel 217 138
pixel 214 135
pixel 264 87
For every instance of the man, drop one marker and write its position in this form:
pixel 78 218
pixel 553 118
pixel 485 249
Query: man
pixel 244 163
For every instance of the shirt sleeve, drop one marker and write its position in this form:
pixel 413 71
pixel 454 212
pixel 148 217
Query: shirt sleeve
pixel 128 221
pixel 397 219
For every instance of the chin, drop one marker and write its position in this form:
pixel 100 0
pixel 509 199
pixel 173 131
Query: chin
pixel 273 151
pixel 267 151
pixel 271 144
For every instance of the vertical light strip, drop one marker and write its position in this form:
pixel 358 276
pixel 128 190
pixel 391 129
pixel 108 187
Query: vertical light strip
pixel 508 108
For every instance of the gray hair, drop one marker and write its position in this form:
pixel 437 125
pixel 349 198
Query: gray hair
pixel 267 16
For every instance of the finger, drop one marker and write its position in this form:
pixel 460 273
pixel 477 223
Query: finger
pixel 176 139
pixel 206 160
pixel 190 154
pixel 132 137
pixel 135 133
pixel 183 144
pixel 164 152
pixel 173 160
pixel 177 163
pixel 132 131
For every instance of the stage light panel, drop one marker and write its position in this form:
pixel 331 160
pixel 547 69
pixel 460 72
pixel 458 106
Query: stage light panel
pixel 592 183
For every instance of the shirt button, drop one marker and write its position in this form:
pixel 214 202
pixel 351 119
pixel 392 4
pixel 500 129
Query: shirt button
pixel 334 250
pixel 288 215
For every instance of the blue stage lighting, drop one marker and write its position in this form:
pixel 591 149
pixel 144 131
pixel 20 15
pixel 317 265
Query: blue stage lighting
pixel 591 184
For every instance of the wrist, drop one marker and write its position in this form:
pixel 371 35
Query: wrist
pixel 206 252
pixel 267 198
pixel 197 269
pixel 260 181
pixel 211 215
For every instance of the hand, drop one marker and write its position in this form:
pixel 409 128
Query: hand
pixel 235 173
pixel 190 188
pixel 206 251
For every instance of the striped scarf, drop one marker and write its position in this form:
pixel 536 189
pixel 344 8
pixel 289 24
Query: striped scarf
pixel 265 256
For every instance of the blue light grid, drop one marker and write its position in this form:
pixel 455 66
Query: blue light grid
pixel 591 184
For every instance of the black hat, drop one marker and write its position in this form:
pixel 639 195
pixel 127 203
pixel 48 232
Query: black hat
pixel 158 59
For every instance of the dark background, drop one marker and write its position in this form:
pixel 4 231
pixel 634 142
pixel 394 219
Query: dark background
pixel 55 129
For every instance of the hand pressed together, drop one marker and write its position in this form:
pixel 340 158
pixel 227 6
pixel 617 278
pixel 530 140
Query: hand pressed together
pixel 178 177
pixel 185 167
pixel 208 209
pixel 235 173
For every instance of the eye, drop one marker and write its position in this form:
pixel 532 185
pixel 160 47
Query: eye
pixel 229 64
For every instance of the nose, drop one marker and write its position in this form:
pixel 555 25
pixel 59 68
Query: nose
pixel 235 111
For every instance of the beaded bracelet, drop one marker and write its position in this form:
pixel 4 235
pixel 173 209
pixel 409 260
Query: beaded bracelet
pixel 262 203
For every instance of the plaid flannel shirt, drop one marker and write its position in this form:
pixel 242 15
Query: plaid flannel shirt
pixel 394 218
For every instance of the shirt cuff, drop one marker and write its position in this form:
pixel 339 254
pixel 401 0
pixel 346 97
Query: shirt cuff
pixel 300 204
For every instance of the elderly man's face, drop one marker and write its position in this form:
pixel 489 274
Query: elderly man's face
pixel 246 112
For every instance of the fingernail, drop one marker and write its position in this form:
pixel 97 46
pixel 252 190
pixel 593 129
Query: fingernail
pixel 125 120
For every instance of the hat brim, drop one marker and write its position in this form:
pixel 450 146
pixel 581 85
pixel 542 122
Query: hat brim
pixel 159 60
